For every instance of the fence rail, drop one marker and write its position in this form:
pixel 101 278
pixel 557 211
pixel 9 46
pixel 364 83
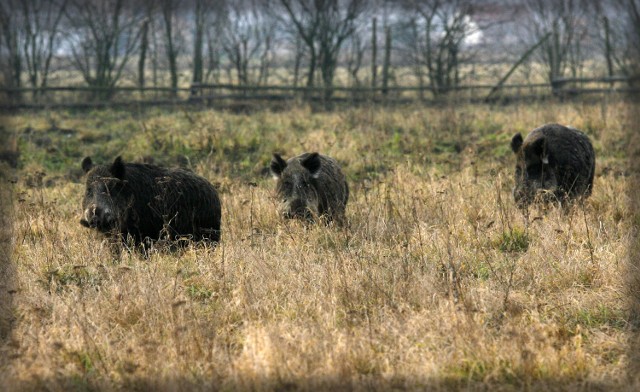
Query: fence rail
pixel 228 94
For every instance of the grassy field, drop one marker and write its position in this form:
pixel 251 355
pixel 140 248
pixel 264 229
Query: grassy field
pixel 438 281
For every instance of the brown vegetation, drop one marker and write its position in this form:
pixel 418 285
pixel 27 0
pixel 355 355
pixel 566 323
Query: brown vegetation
pixel 436 281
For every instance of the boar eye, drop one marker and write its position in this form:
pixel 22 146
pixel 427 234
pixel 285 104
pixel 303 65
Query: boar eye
pixel 287 185
pixel 102 189
pixel 302 185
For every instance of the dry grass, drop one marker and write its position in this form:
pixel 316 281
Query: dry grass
pixel 437 282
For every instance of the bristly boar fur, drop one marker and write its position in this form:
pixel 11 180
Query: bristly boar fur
pixel 311 186
pixel 555 162
pixel 147 202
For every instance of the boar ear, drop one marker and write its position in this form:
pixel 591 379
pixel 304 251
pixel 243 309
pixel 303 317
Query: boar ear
pixel 277 165
pixel 312 163
pixel 117 168
pixel 87 164
pixel 516 142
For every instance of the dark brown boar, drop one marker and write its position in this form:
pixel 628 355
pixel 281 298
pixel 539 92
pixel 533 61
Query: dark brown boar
pixel 310 186
pixel 148 202
pixel 555 162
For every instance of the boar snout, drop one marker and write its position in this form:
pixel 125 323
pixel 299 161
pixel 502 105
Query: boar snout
pixel 297 209
pixel 96 217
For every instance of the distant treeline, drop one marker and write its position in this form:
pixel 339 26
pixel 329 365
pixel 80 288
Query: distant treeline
pixel 303 43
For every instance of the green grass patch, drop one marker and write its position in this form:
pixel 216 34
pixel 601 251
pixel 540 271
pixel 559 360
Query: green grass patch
pixel 514 240
pixel 198 292
pixel 599 316
pixel 60 278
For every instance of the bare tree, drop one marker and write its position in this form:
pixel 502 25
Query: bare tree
pixel 144 47
pixel 201 10
pixel 102 35
pixel 411 45
pixel 10 38
pixel 435 39
pixel 567 23
pixel 267 53
pixel 632 30
pixel 299 50
pixel 386 62
pixel 354 57
pixel 374 51
pixel 323 26
pixel 248 40
pixel 336 25
pixel 213 48
pixel 148 10
pixel 40 21
pixel 632 7
pixel 618 38
pixel 169 10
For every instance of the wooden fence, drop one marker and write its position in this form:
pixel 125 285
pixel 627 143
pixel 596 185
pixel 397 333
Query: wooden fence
pixel 227 95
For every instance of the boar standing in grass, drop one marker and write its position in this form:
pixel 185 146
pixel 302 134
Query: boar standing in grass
pixel 146 203
pixel 311 186
pixel 555 162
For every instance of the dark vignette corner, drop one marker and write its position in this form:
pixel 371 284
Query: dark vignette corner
pixel 8 284
pixel 633 187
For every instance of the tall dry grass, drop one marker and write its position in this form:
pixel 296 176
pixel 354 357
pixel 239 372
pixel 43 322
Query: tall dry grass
pixel 437 282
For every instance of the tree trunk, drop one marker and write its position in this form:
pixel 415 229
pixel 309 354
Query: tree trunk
pixel 328 65
pixel 213 59
pixel 555 48
pixel 311 73
pixel 154 59
pixel 374 53
pixel 355 61
pixel 171 53
pixel 263 76
pixel 245 62
pixel 144 45
pixel 198 43
pixel 50 45
pixel 13 73
pixel 16 75
pixel 296 62
pixel 387 60
pixel 429 59
pixel 607 46
pixel 417 66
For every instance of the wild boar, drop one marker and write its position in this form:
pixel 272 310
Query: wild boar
pixel 148 202
pixel 311 186
pixel 555 162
